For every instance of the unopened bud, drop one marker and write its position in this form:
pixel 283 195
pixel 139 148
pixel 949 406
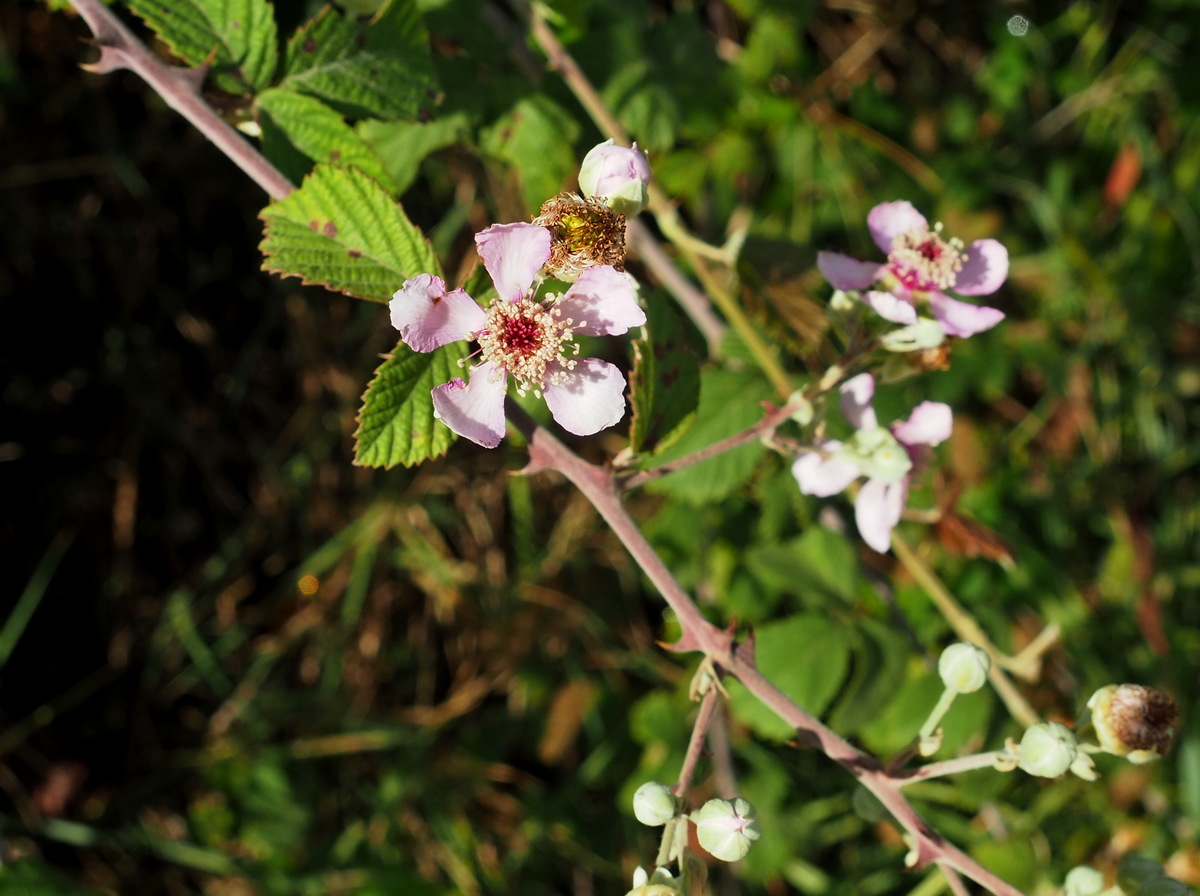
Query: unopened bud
pixel 726 828
pixel 654 804
pixel 1047 750
pixel 1083 880
pixel 660 883
pixel 1133 721
pixel 964 667
pixel 617 176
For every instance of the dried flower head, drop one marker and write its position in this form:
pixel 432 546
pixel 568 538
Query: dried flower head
pixel 1134 721
pixel 584 233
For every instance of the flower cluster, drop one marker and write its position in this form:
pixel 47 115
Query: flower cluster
pixel 885 456
pixel 531 339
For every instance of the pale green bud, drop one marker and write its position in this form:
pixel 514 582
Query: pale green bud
pixel 654 804
pixel 1047 750
pixel 964 667
pixel 618 176
pixel 924 334
pixel 1083 880
pixel 843 301
pixel 660 883
pixel 726 828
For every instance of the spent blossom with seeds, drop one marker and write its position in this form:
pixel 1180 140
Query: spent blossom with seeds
pixel 921 267
pixel 522 337
pixel 886 456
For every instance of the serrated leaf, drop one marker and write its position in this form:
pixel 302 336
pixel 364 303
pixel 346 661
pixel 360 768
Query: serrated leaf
pixel 729 403
pixel 240 35
pixel 806 657
pixel 396 423
pixel 320 132
pixel 665 380
pixel 342 230
pixel 375 70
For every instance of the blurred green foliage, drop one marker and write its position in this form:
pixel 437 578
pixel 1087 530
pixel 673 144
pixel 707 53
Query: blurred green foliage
pixel 234 664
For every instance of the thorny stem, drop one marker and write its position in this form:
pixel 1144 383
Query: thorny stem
pixel 180 88
pixel 599 486
pixel 121 49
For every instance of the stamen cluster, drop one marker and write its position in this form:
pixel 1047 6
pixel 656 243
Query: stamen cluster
pixel 525 338
pixel 922 260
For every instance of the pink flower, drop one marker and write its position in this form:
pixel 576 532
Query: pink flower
pixel 886 457
pixel 522 337
pixel 920 266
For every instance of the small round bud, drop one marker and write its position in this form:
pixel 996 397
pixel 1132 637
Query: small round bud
pixel 617 176
pixel 1047 749
pixel 660 883
pixel 654 804
pixel 726 828
pixel 1083 880
pixel 1133 721
pixel 964 668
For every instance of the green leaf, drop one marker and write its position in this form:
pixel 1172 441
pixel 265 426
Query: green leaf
pixel 806 657
pixel 729 403
pixel 240 35
pixel 403 145
pixel 536 139
pixel 376 70
pixel 819 566
pixel 665 380
pixel 320 132
pixel 396 424
pixel 877 672
pixel 342 230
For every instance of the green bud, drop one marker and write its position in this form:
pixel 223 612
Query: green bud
pixel 1083 880
pixel 1047 750
pixel 660 883
pixel 726 828
pixel 924 334
pixel 964 667
pixel 654 804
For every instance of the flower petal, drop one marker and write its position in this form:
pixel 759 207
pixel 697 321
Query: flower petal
pixel 889 220
pixel 877 510
pixel 857 393
pixel 602 302
pixel 591 398
pixel 844 272
pixel 428 317
pixel 930 423
pixel 890 307
pixel 961 319
pixel 513 254
pixel 824 472
pixel 984 269
pixel 476 410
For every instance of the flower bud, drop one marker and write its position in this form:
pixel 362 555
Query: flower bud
pixel 964 667
pixel 726 828
pixel 1133 721
pixel 1047 749
pixel 1083 880
pixel 654 804
pixel 617 176
pixel 660 883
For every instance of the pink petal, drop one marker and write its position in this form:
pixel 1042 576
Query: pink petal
pixel 428 317
pixel 823 472
pixel 877 510
pixel 984 269
pixel 959 318
pixel 930 423
pixel 513 254
pixel 475 411
pixel 844 272
pixel 889 220
pixel 890 307
pixel 591 399
pixel 857 393
pixel 603 301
